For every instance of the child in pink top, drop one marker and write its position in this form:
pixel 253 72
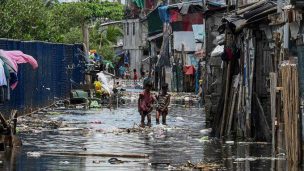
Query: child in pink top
pixel 145 102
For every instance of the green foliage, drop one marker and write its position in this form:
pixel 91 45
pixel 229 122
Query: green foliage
pixel 113 33
pixel 49 20
pixel 74 35
pixel 26 20
pixel 80 12
pixel 103 41
pixel 107 52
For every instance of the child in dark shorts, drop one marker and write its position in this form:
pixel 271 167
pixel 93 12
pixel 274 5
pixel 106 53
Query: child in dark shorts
pixel 145 102
pixel 163 100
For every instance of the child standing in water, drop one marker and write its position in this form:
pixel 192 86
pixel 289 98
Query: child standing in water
pixel 145 102
pixel 163 102
pixel 135 77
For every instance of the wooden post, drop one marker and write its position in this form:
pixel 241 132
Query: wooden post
pixel 225 98
pixel 264 125
pixel 176 72
pixel 291 112
pixel 250 71
pixel 14 116
pixel 234 91
pixel 238 109
pixel 183 54
pixel 273 85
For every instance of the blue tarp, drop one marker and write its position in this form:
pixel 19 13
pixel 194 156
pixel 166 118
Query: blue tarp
pixel 164 14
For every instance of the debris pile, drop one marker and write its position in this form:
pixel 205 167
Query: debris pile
pixel 201 166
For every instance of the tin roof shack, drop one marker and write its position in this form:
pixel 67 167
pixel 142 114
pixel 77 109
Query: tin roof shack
pixel 260 93
pixel 188 29
pixel 185 21
pixel 244 109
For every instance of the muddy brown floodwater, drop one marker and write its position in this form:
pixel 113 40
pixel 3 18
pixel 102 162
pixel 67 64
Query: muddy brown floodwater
pixel 184 139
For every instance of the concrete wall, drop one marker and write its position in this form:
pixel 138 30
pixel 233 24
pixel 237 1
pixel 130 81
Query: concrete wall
pixel 136 55
pixel 135 33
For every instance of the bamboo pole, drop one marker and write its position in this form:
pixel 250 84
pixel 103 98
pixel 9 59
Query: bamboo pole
pixel 273 85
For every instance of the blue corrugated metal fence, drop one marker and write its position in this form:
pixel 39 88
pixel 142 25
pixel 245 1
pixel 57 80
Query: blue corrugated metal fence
pixel 58 65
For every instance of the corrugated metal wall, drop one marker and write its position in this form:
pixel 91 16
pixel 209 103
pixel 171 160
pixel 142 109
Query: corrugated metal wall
pixel 50 82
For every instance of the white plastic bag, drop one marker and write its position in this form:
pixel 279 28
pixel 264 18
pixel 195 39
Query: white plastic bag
pixel 218 50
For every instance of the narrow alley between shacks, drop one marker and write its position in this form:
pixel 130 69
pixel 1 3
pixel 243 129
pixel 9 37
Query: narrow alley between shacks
pixel 142 85
pixel 78 139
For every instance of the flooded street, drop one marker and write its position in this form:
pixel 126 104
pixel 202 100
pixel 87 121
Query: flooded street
pixel 109 131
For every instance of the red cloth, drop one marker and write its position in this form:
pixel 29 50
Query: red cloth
pixel 146 101
pixel 175 16
pixel 229 54
pixel 190 19
pixel 189 69
pixel 149 4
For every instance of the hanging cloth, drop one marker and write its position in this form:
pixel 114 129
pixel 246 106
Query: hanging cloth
pixel 13 67
pixel 164 14
pixel 12 59
pixel 3 81
pixel 139 3
pixel 20 58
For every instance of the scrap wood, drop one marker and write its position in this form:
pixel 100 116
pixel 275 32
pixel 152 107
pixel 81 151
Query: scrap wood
pixel 3 121
pixel 289 73
pixel 79 153
pixel 201 166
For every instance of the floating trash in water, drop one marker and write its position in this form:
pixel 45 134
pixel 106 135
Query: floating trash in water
pixel 204 139
pixel 172 168
pixel 69 129
pixel 115 161
pixel 245 159
pixel 97 161
pixel 64 162
pixel 96 122
pixel 53 113
pixel 179 118
pixel 206 131
pixel 255 158
pixel 200 166
pixel 95 104
pixel 229 142
pixel 33 154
